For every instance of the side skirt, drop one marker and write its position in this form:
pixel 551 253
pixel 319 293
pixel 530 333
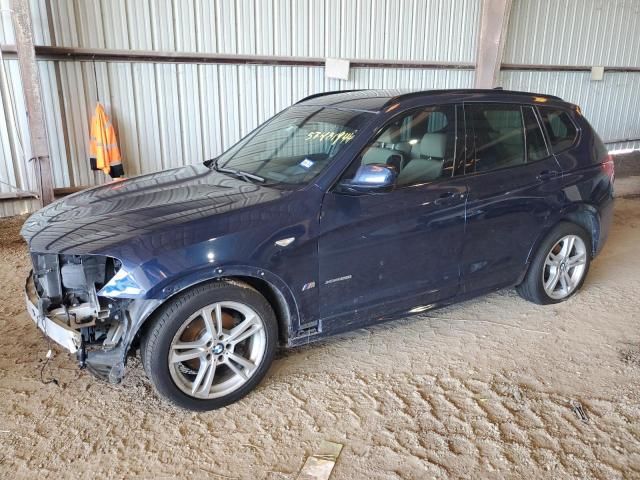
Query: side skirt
pixel 356 320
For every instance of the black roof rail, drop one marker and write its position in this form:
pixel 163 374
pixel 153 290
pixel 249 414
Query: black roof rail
pixel 322 94
pixel 408 95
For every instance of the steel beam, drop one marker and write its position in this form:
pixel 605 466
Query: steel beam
pixel 155 56
pixel 73 54
pixel 493 31
pixel 33 99
pixel 530 67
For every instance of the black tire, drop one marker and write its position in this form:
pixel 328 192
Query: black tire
pixel 532 287
pixel 169 319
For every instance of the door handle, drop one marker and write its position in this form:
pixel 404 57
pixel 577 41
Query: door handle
pixel 449 197
pixel 547 175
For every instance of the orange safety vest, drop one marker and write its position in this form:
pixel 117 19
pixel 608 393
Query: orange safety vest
pixel 103 145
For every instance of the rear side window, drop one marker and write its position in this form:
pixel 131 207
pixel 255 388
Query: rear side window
pixel 560 128
pixel 504 136
pixel 498 133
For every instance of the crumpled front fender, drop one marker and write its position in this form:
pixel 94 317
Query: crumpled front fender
pixel 109 364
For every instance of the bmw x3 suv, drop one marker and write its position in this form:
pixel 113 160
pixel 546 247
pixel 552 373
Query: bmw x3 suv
pixel 345 209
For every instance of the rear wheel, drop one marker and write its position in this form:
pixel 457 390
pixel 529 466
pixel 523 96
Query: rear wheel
pixel 559 267
pixel 211 345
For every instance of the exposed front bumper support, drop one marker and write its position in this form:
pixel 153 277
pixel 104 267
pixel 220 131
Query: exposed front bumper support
pixel 67 337
pixel 106 362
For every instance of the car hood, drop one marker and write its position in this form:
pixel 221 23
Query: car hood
pixel 93 220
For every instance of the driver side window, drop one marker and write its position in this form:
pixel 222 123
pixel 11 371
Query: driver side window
pixel 419 146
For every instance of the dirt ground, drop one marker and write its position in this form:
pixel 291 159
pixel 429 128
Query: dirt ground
pixel 481 389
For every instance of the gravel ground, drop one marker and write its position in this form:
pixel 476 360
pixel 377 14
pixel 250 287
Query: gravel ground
pixel 481 389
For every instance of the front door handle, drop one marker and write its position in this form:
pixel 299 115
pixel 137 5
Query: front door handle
pixel 547 175
pixel 447 198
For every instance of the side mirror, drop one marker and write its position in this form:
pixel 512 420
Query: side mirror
pixel 371 178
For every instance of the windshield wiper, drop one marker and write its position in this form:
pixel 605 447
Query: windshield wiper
pixel 246 176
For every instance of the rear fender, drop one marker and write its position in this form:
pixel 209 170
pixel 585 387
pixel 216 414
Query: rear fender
pixel 581 214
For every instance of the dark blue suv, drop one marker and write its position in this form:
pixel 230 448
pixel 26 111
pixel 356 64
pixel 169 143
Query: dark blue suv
pixel 346 209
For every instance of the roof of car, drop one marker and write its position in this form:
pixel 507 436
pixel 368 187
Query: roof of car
pixel 376 100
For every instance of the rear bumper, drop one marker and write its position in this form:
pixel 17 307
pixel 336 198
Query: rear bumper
pixel 64 336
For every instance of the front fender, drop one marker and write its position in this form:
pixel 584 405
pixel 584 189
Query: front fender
pixel 168 289
pixel 161 294
pixel 110 365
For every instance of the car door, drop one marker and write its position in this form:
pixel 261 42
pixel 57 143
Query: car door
pixel 382 253
pixel 512 182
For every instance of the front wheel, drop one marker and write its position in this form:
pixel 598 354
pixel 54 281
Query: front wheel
pixel 559 267
pixel 211 345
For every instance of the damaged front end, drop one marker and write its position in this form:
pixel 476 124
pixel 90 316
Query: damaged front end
pixel 65 296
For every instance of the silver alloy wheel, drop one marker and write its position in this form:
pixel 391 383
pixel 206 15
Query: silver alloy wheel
pixel 225 345
pixel 564 267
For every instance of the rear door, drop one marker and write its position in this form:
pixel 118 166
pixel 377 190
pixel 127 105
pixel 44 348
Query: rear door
pixel 513 181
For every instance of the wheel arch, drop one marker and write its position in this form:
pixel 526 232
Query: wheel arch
pixel 269 285
pixel 278 302
pixel 586 217
pixel 583 215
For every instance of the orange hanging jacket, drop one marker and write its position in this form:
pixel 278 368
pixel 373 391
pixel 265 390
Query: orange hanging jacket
pixel 103 145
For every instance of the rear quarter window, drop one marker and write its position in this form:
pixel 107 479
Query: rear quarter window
pixel 560 128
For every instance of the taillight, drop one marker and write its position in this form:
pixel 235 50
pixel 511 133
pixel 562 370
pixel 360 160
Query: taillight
pixel 608 167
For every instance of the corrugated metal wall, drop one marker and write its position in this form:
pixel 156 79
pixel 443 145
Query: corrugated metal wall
pixel 610 105
pixel 172 114
pixel 440 30
pixel 16 174
pixel 584 33
pixel 168 115
pixel 574 32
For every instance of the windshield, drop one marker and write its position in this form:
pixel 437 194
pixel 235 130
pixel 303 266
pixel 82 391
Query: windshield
pixel 293 147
